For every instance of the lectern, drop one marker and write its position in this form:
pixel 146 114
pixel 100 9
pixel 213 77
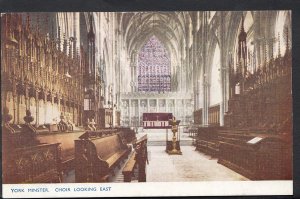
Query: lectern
pixel 173 148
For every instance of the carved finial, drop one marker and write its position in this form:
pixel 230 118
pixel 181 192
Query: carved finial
pixel 70 48
pixel 20 22
pixel 65 44
pixel 91 34
pixel 62 116
pixel 38 22
pixel 28 22
pixel 58 39
pixel 272 49
pixel 266 52
pixel 242 26
pixel 47 21
pixel 287 39
pixel 242 45
pixel 74 47
pixel 52 31
pixel 6 116
pixel 279 54
pixel 28 118
pixel 77 53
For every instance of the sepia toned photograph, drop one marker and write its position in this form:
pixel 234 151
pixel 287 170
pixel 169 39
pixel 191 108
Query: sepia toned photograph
pixel 100 98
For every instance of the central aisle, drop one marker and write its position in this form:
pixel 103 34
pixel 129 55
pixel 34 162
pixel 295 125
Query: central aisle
pixel 190 166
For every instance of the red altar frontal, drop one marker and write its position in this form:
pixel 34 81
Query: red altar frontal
pixel 157 120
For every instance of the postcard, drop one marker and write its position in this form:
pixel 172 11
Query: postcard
pixel 146 103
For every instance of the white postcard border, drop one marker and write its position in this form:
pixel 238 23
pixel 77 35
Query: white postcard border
pixel 207 188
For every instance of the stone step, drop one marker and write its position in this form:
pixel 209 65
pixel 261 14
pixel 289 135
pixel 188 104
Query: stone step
pixel 163 143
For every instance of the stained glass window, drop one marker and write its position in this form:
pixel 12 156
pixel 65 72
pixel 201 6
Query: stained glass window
pixel 154 73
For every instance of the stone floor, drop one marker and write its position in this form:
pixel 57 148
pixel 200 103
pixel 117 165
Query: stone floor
pixel 190 166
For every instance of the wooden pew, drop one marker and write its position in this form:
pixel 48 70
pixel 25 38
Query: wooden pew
pixel 96 158
pixel 128 170
pixel 137 159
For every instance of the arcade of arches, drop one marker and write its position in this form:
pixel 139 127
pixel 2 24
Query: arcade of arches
pixel 103 77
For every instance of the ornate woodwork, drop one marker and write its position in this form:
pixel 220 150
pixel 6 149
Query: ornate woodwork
pixel 262 111
pixel 93 81
pixel 32 164
pixel 35 67
pixel 256 140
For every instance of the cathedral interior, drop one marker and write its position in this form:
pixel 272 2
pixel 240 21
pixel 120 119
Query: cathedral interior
pixel 146 96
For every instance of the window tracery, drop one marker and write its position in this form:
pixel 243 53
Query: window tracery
pixel 154 67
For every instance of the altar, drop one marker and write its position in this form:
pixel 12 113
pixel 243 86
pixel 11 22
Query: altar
pixel 156 120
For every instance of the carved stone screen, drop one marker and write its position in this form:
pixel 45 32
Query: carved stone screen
pixel 154 67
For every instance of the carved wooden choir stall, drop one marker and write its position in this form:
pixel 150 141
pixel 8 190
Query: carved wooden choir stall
pixel 256 140
pixel 35 85
pixel 44 158
pixel 37 72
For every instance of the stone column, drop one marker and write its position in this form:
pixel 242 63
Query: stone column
pixel 17 107
pixel 139 103
pixel 205 100
pixel 14 94
pixel 175 108
pixel 148 105
pixel 52 105
pixel 37 103
pixel 184 111
pixel 205 77
pixel 223 69
pixel 58 101
pixel 27 103
pixel 74 113
pixel 45 106
pixel 129 111
pixel 14 108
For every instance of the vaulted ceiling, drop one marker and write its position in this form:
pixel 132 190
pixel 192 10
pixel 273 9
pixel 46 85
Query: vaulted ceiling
pixel 171 28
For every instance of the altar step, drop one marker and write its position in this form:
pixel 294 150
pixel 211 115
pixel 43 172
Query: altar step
pixel 163 143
